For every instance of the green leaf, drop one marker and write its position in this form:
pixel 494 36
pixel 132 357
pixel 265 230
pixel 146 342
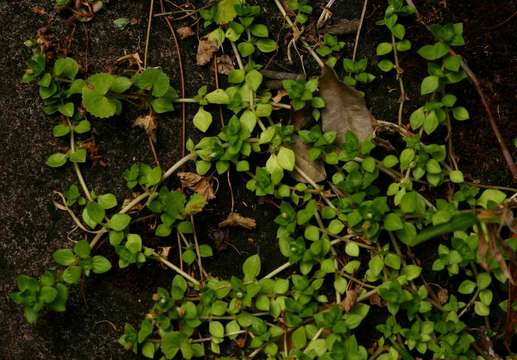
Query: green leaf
pixel 411 271
pixel 148 350
pixel 286 158
pixel 179 286
pixel 72 274
pixel 299 338
pixel 384 48
pixel 266 45
pixel 259 30
pixel 248 120
pixel 82 249
pixel 385 65
pixel 67 109
pixel 236 76
pixel 460 113
pixel 246 48
pixel 225 11
pixel 78 156
pixel 119 222
pixel 340 284
pixel 47 294
pixel 100 264
pixel 121 23
pixel 393 261
pixel 57 160
pixel 60 130
pixel 335 227
pixel 64 257
pixel 66 67
pixel 467 287
pixel 134 243
pixel 456 176
pixel 251 268
pixel 202 120
pixel 491 196
pixel 483 280
pixel 399 31
pixel 205 250
pixel 433 52
pixel 254 79
pixel 153 79
pixel 429 85
pixel 95 212
pixel 82 127
pixel 107 201
pixel 352 249
pixel 393 222
pixel 218 96
pixel 481 309
pixel 216 329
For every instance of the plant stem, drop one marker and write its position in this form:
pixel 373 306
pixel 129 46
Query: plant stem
pixel 148 32
pixel 313 183
pixel 401 82
pixel 358 33
pixel 143 195
pixel 175 268
pixel 237 55
pixel 278 270
pixel 76 166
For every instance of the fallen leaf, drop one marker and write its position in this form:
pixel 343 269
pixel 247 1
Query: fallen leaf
pixel 280 94
pixel 38 10
pixel 185 32
pixel 315 170
pixel 205 51
pixel 224 64
pixel 349 300
pixel 236 219
pixel 93 151
pixel 443 296
pixel 345 108
pixel 199 184
pixel 164 251
pixel 342 27
pixel 149 124
pixel 132 59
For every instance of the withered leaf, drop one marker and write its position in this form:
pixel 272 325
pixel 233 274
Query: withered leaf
pixel 224 64
pixel 149 124
pixel 236 219
pixel 314 169
pixel 205 51
pixel 349 300
pixel 342 27
pixel 345 108
pixel 199 184
pixel 185 32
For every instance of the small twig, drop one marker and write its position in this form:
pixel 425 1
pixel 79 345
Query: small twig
pixel 237 55
pixel 175 268
pixel 202 271
pixel 182 79
pixel 358 34
pixel 76 166
pixel 65 207
pixel 316 186
pixel 325 15
pixel 399 77
pixel 148 32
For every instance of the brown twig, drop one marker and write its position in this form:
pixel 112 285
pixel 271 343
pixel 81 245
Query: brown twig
pixel 484 101
pixel 168 20
pixel 358 34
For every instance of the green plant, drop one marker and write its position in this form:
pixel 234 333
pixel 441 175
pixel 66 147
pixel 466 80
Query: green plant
pixel 351 242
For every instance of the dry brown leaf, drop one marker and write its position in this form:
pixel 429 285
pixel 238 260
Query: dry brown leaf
pixel 236 219
pixel 197 183
pixel 342 27
pixel 38 10
pixel 443 296
pixel 345 108
pixel 185 32
pixel 205 51
pixel 224 64
pixel 314 169
pixel 280 94
pixel 149 124
pixel 132 59
pixel 349 300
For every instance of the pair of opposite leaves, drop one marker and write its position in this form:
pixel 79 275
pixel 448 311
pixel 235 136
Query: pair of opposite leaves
pixel 345 109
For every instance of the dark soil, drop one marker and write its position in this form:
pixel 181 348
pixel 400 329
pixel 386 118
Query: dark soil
pixel 31 228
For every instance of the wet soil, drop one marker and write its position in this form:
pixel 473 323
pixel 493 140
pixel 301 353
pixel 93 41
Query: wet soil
pixel 31 228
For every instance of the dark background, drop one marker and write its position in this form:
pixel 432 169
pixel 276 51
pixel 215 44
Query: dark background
pixel 31 228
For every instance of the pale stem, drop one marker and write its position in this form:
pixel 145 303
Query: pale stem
pixel 175 268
